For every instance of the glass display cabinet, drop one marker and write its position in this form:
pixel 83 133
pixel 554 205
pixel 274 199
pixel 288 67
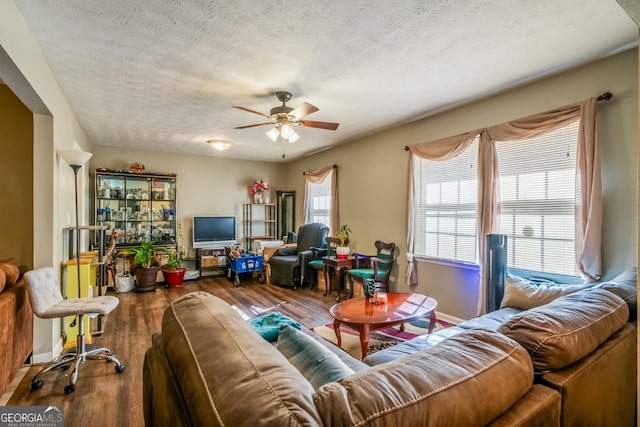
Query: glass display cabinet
pixel 138 207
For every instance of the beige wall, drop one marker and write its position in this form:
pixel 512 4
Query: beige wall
pixel 16 185
pixel 373 171
pixel 206 185
pixel 53 188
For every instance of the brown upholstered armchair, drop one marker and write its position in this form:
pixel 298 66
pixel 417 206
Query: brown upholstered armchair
pixel 290 266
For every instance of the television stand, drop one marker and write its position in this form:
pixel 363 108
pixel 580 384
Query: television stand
pixel 211 261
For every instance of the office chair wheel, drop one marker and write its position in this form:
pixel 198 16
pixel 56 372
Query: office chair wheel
pixel 69 388
pixel 36 384
pixel 119 368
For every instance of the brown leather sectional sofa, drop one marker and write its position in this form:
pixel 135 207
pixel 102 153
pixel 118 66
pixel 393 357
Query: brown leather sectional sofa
pixel 571 362
pixel 16 330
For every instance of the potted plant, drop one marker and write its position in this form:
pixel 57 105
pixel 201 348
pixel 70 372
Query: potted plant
pixel 342 251
pixel 173 271
pixel 146 265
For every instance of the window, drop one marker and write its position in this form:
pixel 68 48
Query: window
pixel 446 206
pixel 319 201
pixel 537 200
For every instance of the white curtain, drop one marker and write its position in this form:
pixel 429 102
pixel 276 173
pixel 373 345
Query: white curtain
pixel 315 176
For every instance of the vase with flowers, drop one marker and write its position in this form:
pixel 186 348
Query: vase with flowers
pixel 257 189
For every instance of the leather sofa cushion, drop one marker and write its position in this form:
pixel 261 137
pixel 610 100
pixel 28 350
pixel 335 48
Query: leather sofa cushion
pixel 229 375
pixel 316 363
pixel 492 320
pixel 466 380
pixel 567 329
pixel 525 294
pixel 625 285
pixel 419 343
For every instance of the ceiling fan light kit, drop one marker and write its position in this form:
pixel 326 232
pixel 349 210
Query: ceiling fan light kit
pixel 283 118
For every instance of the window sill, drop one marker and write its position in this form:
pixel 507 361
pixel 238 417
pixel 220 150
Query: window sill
pixel 447 262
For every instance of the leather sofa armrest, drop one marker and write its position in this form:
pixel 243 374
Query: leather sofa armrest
pixel 318 252
pixel 600 389
pixel 539 407
pixel 305 256
pixel 285 251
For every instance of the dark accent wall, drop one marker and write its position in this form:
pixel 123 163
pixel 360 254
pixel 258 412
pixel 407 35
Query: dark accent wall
pixel 16 179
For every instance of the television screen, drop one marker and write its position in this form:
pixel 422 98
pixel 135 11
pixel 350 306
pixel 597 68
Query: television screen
pixel 214 231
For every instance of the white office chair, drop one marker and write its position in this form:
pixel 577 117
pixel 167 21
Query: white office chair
pixel 47 303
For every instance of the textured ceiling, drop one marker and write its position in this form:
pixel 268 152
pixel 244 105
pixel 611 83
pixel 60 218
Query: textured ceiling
pixel 164 74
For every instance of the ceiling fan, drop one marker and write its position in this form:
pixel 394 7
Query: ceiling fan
pixel 284 117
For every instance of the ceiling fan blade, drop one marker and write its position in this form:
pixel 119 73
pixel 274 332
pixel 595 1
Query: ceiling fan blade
pixel 302 110
pixel 251 111
pixel 320 125
pixel 251 126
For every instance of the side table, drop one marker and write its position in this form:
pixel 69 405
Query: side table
pixel 339 265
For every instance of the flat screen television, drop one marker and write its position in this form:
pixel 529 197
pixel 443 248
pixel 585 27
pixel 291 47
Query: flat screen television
pixel 214 231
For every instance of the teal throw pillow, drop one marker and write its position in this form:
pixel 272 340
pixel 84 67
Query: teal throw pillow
pixel 268 325
pixel 314 361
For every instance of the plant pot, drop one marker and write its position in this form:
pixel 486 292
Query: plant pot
pixel 174 277
pixel 146 279
pixel 342 252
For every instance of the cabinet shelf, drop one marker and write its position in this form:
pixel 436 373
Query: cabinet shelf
pixel 259 223
pixel 140 207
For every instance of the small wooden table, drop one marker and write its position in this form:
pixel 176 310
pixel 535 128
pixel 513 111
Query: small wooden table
pixel 339 265
pixel 360 315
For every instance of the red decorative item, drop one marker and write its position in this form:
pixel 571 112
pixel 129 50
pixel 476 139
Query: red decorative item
pixel 174 278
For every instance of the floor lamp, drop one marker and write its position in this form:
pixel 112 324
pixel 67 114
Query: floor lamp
pixel 76 159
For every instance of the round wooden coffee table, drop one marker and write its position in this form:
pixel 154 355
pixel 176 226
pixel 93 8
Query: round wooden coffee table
pixel 362 316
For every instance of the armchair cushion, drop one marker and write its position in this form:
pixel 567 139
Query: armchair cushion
pixel 316 264
pixel 366 273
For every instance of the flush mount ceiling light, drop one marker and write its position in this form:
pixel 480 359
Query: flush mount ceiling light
pixel 219 144
pixel 284 118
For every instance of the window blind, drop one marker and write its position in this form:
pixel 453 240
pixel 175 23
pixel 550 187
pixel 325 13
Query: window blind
pixel 319 201
pixel 537 200
pixel 446 206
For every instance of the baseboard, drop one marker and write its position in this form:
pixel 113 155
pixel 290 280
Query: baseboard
pixel 49 355
pixel 4 398
pixel 448 318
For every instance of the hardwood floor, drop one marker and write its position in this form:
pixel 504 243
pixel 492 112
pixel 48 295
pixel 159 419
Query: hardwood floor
pixel 105 398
